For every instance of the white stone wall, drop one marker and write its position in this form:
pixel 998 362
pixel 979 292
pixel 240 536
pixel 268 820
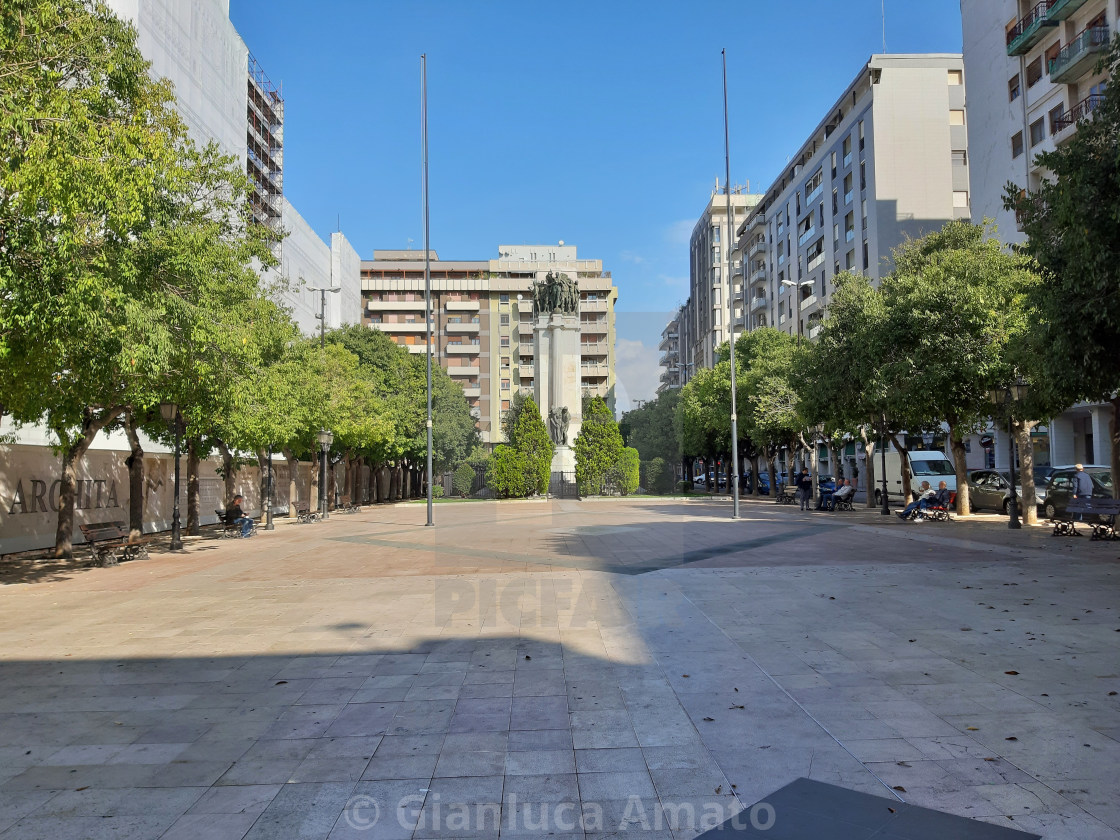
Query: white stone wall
pixel 348 275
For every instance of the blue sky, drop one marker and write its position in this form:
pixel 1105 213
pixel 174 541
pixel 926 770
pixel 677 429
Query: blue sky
pixel 597 123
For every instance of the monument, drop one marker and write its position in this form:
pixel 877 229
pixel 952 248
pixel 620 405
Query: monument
pixel 557 387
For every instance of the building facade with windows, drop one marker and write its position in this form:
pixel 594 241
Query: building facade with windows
pixel 709 307
pixel 224 95
pixel 888 161
pixel 1031 78
pixel 482 328
pixel 670 360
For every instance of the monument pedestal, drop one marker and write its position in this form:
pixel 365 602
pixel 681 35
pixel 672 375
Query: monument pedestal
pixel 557 384
pixel 564 461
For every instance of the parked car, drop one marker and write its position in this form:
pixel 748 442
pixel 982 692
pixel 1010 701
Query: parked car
pixel 1059 489
pixel 991 490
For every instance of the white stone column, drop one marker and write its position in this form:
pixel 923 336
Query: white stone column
pixel 1062 441
pixel 1102 445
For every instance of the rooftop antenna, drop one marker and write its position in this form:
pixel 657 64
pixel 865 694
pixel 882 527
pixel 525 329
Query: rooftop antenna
pixel 883 9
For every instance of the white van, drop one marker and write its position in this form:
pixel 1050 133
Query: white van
pixel 925 465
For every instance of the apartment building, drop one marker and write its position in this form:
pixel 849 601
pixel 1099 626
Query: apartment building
pixel 670 360
pixel 710 310
pixel 1032 77
pixel 888 161
pixel 483 319
pixel 223 94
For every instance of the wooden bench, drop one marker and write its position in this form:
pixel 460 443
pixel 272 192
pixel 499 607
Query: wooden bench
pixel 348 507
pixel 1106 511
pixel 230 529
pixel 305 515
pixel 106 539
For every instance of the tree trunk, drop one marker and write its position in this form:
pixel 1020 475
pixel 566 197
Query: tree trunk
pixel 1114 434
pixel 193 495
pixel 394 482
pixel 904 469
pixel 264 480
pixel 330 484
pixel 135 462
pixel 1028 503
pixel 293 482
pixel 772 468
pixel 227 471
pixel 316 500
pixel 72 451
pixel 960 465
pixel 868 465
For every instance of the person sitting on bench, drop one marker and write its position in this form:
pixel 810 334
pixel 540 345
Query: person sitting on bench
pixel 844 493
pixel 234 516
pixel 925 495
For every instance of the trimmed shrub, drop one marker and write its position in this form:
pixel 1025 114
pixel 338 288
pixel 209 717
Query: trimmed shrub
pixel 437 491
pixel 531 439
pixel 463 480
pixel 626 471
pixel 597 448
pixel 505 475
pixel 659 476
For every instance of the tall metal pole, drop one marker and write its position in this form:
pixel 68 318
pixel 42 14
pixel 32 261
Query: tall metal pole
pixel 322 318
pixel 271 526
pixel 427 264
pixel 176 532
pixel 731 306
pixel 886 510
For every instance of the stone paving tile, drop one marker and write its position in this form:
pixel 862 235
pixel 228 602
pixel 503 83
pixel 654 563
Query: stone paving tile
pixel 563 672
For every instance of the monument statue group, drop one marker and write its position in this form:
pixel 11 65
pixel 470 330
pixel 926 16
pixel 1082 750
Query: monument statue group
pixel 557 347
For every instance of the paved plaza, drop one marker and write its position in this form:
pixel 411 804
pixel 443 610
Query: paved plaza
pixel 635 669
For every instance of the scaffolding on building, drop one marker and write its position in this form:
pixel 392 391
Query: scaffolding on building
pixel 264 140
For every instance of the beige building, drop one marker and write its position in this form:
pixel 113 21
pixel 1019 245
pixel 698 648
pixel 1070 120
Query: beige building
pixel 482 328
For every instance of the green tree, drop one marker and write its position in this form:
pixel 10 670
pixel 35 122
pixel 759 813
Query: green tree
pixel 958 301
pixel 530 438
pixel 597 447
pixel 1072 223
pixel 509 420
pixel 651 429
pixel 768 402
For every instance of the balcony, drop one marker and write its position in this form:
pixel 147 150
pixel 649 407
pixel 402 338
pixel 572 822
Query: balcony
pixel 395 305
pixel 756 246
pixel 458 349
pixel 593 348
pixel 814 195
pixel 806 236
pixel 1061 9
pixel 1030 29
pixel 808 302
pixel 461 306
pixel 1079 56
pixel 400 327
pixel 472 391
pixel 814 331
pixel 1077 113
pixel 587 305
pixel 595 370
pixel 461 326
pixel 463 370
pixel 757 304
pixel 758 275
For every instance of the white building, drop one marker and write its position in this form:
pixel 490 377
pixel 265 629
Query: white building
pixel 1031 77
pixel 709 309
pixel 225 96
pixel 888 161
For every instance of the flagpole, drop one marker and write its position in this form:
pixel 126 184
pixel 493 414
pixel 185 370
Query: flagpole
pixel 427 264
pixel 731 295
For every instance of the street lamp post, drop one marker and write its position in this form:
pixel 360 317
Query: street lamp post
pixel 174 420
pixel 271 526
pixel 1007 397
pixel 326 438
pixel 322 316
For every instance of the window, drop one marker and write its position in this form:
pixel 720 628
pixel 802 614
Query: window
pixel 850 260
pixel 715 234
pixel 862 175
pixel 1050 54
pixel 848 188
pixel 955 77
pixel 505 341
pixel 865 256
pixel 960 157
pixel 503 298
pixel 834 164
pixel 1038 131
pixel 505 319
pixel 834 206
pixel 960 198
pixel 861 137
pixel 505 384
pixel 1017 144
pixel 1013 88
pixel 505 405
pixel 1056 114
pixel 505 362
pixel 1034 72
pixel 956 117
